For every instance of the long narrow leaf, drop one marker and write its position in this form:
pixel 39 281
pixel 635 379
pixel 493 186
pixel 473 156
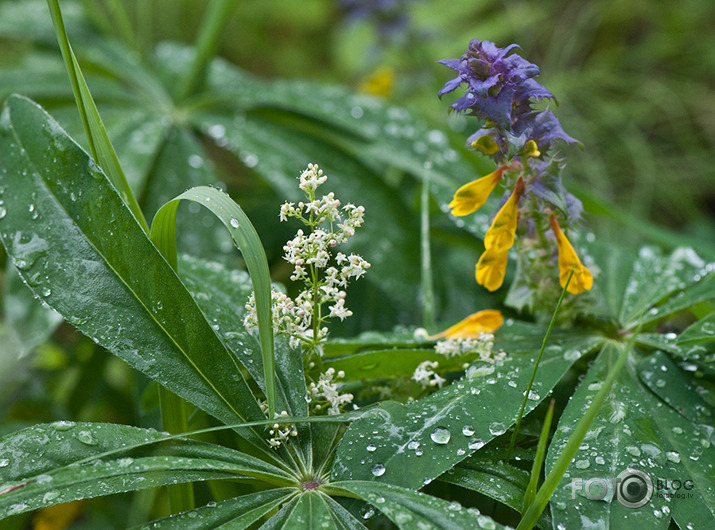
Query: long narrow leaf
pixel 81 250
pixel 92 459
pixel 163 233
pixel 100 146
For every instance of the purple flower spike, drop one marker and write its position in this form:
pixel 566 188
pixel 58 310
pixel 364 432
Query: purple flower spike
pixel 496 82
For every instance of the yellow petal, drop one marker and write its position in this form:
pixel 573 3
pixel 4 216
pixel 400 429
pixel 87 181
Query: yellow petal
pixel 57 517
pixel 486 144
pixel 470 197
pixel 491 268
pixel 582 279
pixel 501 233
pixel 379 83
pixel 485 321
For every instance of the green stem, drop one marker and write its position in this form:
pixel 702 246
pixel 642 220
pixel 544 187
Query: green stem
pixel 206 43
pixel 536 365
pixel 426 258
pixel 174 419
pixel 551 482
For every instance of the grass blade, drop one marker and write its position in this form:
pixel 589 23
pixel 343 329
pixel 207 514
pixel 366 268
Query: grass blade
pixel 163 233
pixel 552 480
pixel 539 459
pixel 536 364
pixel 100 146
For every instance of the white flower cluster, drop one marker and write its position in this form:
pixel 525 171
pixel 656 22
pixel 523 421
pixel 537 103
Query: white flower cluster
pixel 457 347
pixel 325 390
pixel 426 376
pixel 280 433
pixel 325 277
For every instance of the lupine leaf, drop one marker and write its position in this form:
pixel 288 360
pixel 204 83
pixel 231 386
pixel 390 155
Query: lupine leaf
pixel 27 319
pixel 94 459
pixel 100 271
pixel 702 331
pixel 237 513
pixel 410 509
pixel 633 429
pixel 461 418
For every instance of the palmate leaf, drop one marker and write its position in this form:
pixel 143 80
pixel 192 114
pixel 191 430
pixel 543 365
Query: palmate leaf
pixel 636 429
pixel 63 461
pixel 237 513
pixel 81 250
pixel 414 443
pixel 29 321
pixel 410 509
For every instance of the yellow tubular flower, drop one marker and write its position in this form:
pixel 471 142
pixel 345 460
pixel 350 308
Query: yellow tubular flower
pixel 492 267
pixel 470 197
pixel 501 233
pixel 485 321
pixel 582 279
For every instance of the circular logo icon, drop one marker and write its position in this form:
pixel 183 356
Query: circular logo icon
pixel 634 489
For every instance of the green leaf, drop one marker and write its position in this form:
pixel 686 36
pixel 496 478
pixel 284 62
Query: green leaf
pixel 64 461
pixel 702 331
pixel 699 291
pixel 87 257
pixel 410 509
pixel 28 320
pixel 633 429
pixel 245 237
pixel 656 277
pixel 461 418
pixel 239 512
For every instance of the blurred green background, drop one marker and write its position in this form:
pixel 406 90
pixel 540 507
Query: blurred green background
pixel 635 80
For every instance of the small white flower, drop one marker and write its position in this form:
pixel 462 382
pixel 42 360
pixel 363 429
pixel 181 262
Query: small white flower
pixel 425 375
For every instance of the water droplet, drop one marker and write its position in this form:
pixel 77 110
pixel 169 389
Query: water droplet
pixel 497 428
pixel 4 462
pixel 583 464
pixel 467 430
pixel 380 500
pixel 44 479
pixel 440 435
pixel 234 222
pixel 534 396
pixel 50 496
pixel 125 462
pixel 46 291
pixel 673 456
pixel 192 515
pixel 600 460
pixel 593 387
pixel 413 445
pixel 461 452
pixel 633 450
pixel 86 438
pixel 660 383
pixel 378 470
pixel 475 444
pixel 3 212
pixel 63 425
pixel 371 448
pixel 17 508
pixel 369 512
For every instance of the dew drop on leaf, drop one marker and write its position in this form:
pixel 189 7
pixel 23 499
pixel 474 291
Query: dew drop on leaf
pixel 234 222
pixel 371 448
pixel 467 430
pixel 4 462
pixel 440 436
pixel 378 470
pixel 63 425
pixel 673 456
pixel 86 438
pixel 497 428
